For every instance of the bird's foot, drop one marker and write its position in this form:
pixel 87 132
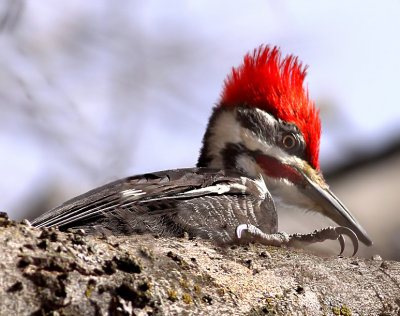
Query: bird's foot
pixel 281 238
pixel 331 233
pixel 256 234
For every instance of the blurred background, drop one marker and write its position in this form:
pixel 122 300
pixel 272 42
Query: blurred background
pixel 92 91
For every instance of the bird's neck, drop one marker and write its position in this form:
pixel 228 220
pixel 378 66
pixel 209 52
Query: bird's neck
pixel 223 148
pixel 222 144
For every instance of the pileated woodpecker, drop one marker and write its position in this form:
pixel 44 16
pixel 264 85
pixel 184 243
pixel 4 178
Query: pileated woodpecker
pixel 260 154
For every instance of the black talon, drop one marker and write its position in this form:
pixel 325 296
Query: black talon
pixel 347 231
pixel 342 244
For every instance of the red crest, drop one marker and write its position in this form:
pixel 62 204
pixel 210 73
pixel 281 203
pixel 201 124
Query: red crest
pixel 275 85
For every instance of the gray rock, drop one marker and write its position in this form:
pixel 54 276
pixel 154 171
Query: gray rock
pixel 45 271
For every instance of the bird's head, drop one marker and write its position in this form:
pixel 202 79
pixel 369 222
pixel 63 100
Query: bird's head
pixel 265 123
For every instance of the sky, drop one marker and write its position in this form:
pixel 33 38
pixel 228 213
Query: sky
pixel 97 90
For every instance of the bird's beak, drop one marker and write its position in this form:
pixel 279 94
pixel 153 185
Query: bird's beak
pixel 332 207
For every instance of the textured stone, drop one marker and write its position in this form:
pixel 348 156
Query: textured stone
pixel 44 271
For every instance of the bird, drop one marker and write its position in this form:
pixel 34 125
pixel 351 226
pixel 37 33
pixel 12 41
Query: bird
pixel 259 155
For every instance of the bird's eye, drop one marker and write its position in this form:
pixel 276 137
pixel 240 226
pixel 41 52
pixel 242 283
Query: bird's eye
pixel 289 141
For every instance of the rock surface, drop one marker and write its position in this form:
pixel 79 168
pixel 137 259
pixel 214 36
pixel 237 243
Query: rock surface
pixel 48 272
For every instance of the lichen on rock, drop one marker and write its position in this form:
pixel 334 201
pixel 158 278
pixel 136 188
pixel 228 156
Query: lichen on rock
pixel 45 271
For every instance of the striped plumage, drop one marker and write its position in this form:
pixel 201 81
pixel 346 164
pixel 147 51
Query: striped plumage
pixel 259 155
pixel 203 202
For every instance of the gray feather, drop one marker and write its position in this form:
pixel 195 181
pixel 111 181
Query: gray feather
pixel 203 202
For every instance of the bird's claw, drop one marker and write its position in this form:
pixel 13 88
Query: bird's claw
pixel 341 230
pixel 342 243
pixel 240 229
pixel 332 233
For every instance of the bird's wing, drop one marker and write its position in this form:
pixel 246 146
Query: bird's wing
pixel 152 194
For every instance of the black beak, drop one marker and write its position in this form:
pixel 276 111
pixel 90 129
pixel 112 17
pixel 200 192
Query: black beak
pixel 333 208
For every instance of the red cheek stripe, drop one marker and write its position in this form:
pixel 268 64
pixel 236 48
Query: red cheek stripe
pixel 273 168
